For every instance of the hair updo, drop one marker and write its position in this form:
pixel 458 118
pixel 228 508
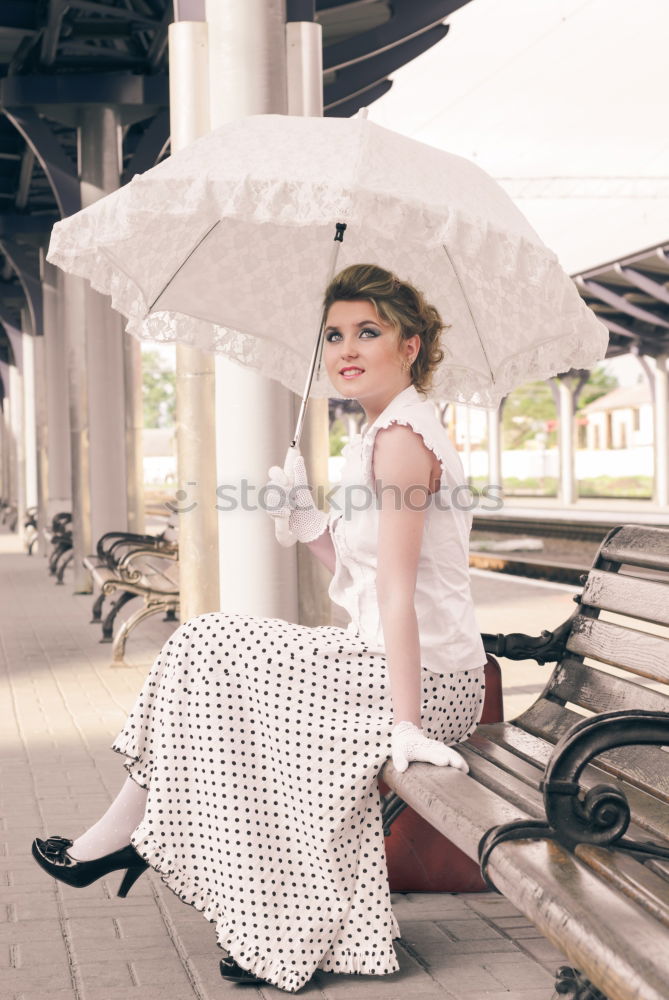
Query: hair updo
pixel 399 304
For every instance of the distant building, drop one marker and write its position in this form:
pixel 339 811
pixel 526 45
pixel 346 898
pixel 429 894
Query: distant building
pixel 623 418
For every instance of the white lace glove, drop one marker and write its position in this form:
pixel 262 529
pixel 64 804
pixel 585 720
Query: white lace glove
pixel 291 498
pixel 408 743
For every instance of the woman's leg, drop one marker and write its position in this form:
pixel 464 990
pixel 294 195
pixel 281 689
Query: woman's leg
pixel 112 831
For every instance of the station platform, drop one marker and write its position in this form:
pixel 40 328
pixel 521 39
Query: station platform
pixel 61 706
pixel 590 510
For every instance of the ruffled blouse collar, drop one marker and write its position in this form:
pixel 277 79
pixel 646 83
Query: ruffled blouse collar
pixel 407 395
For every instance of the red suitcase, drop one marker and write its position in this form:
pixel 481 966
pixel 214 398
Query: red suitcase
pixel 419 858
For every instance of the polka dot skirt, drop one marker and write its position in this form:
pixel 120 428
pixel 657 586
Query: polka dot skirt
pixel 260 742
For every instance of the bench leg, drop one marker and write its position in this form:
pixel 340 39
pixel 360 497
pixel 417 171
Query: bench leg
pixel 54 557
pixel 108 623
pixel 118 649
pixel 96 612
pixel 64 563
pixel 572 984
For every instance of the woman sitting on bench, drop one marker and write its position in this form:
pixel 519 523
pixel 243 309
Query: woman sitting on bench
pixel 254 746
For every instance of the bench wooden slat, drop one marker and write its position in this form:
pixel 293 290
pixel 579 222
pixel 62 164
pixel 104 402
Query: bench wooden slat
pixel 645 767
pixel 598 691
pixel 638 652
pixel 639 546
pixel 627 595
pixel 650 813
pixel 630 877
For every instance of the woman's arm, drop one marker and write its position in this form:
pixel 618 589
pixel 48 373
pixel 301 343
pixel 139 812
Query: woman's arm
pixel 323 548
pixel 402 465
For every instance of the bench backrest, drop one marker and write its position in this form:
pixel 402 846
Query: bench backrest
pixel 617 654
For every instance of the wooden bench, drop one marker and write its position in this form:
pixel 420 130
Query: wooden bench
pixel 110 549
pixel 566 839
pixel 141 566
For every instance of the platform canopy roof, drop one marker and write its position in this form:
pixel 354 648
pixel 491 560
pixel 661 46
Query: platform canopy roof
pixel 631 296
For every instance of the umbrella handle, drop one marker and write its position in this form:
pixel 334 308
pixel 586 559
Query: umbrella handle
pixel 284 535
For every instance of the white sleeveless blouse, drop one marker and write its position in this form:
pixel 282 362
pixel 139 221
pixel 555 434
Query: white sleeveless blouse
pixel 449 635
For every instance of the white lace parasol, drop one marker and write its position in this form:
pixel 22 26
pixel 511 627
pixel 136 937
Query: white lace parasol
pixel 226 245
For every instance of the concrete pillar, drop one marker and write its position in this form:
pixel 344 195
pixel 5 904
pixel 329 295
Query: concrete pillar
pixel 29 416
pixel 134 424
pixel 5 482
pixel 59 483
pixel 17 423
pixel 99 146
pixel 41 430
pixel 7 438
pixel 661 430
pixel 495 446
pixel 304 80
pixel 19 470
pixel 195 386
pixel 73 306
pixel 254 415
pixel 567 488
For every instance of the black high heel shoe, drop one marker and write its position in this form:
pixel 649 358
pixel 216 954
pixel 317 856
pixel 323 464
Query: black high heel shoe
pixel 235 974
pixel 52 856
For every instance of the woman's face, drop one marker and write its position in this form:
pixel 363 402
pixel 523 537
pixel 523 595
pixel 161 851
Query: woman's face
pixel 357 338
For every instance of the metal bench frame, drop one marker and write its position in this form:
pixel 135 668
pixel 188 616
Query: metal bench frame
pixel 137 573
pixel 546 823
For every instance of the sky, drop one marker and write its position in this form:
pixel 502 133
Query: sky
pixel 565 103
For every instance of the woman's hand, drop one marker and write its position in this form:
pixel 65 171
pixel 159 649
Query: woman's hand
pixel 409 742
pixel 287 495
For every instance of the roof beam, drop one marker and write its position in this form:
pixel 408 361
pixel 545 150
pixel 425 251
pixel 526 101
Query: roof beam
pixel 108 11
pixel 364 97
pixel 646 284
pixel 60 172
pixel 25 177
pixel 409 19
pixel 619 302
pixel 121 88
pixel 51 34
pixel 614 327
pixel 150 147
pixel 28 274
pixel 370 71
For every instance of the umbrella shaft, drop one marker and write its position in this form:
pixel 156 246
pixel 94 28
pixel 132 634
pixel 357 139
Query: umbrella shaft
pixel 318 348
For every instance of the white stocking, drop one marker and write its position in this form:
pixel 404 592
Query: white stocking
pixel 112 831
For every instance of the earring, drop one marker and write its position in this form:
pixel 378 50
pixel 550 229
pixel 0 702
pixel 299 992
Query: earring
pixel 406 365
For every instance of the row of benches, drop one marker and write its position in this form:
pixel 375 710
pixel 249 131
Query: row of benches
pixel 127 564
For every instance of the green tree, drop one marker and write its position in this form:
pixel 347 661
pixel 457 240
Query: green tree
pixel 599 383
pixel 525 413
pixel 158 390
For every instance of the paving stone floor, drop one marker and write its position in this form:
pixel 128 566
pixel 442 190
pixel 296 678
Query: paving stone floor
pixel 60 707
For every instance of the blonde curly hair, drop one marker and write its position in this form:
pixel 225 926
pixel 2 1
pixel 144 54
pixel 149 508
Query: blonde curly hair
pixel 398 303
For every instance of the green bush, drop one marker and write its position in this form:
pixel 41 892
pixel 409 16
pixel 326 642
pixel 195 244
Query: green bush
pixel 337 438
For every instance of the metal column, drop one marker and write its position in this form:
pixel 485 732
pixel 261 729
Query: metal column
pixel 41 443
pixel 99 148
pixel 73 320
pixel 661 430
pixel 254 415
pixel 59 485
pixel 195 389
pixel 567 487
pixel 29 421
pixel 495 446
pixel 304 77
